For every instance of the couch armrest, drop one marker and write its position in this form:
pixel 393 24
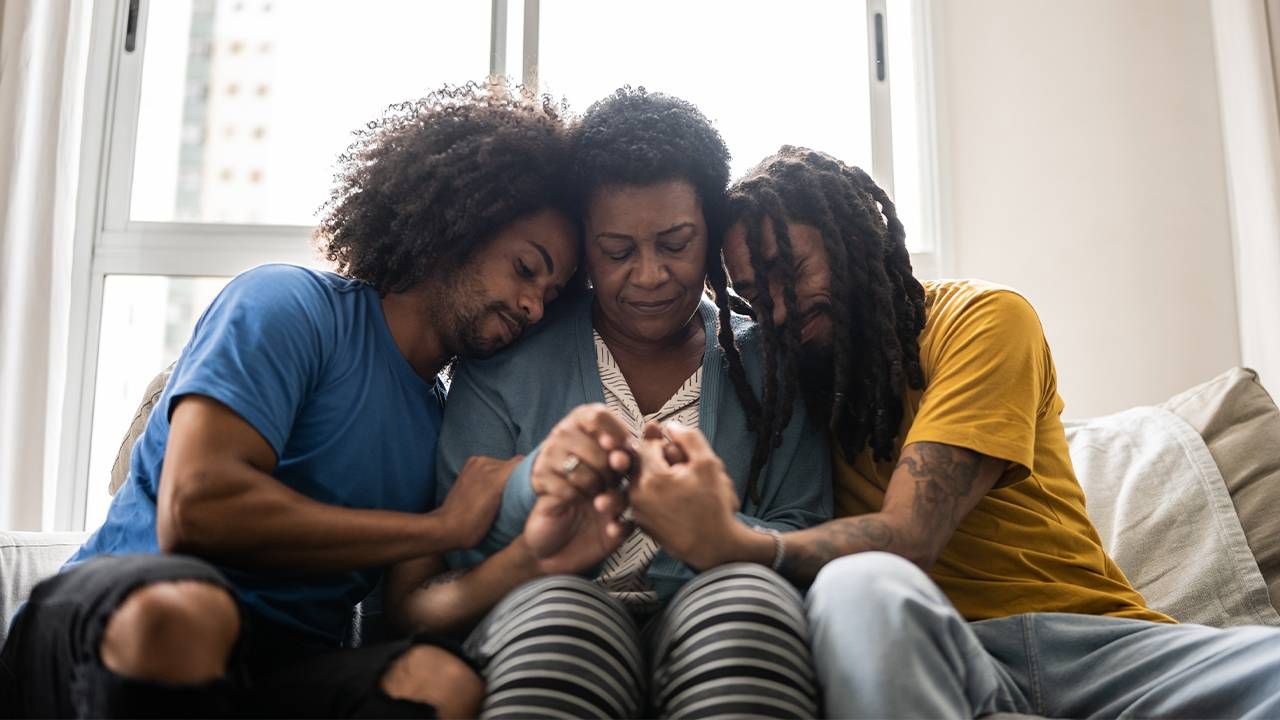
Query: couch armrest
pixel 26 558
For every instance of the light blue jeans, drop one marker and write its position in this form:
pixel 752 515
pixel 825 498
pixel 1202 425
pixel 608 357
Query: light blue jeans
pixel 888 644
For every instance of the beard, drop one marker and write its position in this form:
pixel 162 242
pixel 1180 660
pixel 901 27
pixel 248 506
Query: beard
pixel 467 315
pixel 817 381
pixel 472 343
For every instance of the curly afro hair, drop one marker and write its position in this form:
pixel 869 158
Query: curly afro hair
pixel 429 183
pixel 635 137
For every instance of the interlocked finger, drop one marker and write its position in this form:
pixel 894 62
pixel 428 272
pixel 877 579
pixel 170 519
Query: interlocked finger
pixel 579 460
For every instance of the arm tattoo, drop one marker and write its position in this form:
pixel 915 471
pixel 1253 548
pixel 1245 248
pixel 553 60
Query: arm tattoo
pixel 944 475
pixel 802 561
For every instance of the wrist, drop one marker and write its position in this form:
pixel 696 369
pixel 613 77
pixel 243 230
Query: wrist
pixel 436 532
pixel 746 544
pixel 523 560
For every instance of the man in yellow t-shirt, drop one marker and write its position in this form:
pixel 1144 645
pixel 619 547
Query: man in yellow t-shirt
pixel 962 576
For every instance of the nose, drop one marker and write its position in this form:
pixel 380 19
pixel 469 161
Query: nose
pixel 779 307
pixel 531 306
pixel 650 272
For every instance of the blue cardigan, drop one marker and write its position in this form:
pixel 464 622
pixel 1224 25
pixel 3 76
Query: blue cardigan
pixel 506 404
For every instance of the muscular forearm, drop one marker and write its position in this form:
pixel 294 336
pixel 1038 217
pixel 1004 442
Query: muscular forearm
pixel 933 488
pixel 807 551
pixel 237 515
pixel 453 602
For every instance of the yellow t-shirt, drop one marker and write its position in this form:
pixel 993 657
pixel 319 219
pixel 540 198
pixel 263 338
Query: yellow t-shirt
pixel 990 386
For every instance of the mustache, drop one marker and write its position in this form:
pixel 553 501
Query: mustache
pixel 517 319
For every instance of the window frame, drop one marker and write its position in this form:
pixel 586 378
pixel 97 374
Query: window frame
pixel 109 242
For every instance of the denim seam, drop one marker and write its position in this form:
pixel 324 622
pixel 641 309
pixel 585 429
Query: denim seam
pixel 1029 646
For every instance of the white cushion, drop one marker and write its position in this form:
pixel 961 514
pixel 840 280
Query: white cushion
pixel 26 558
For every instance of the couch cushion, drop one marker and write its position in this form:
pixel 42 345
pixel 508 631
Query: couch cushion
pixel 1241 425
pixel 26 558
pixel 1164 515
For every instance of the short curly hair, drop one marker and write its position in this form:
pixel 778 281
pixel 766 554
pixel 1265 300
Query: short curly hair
pixel 635 137
pixel 430 182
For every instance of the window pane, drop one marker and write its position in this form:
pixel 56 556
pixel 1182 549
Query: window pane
pixel 767 73
pixel 146 321
pixel 909 170
pixel 246 104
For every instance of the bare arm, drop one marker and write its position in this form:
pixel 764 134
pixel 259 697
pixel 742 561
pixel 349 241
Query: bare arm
pixel 933 488
pixel 218 500
pixel 423 596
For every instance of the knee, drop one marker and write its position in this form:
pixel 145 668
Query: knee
pixel 433 676
pixel 748 582
pixel 744 601
pixel 177 632
pixel 863 584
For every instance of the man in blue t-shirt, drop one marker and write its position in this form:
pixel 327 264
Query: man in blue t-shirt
pixel 289 461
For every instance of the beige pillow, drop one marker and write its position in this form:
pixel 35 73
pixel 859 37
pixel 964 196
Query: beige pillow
pixel 120 469
pixel 1241 425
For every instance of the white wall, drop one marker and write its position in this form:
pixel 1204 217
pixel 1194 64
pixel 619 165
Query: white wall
pixel 1083 159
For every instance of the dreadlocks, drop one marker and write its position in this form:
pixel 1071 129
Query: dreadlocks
pixel 877 304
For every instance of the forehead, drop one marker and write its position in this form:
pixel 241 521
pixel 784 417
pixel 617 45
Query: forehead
pixel 804 239
pixel 640 207
pixel 549 229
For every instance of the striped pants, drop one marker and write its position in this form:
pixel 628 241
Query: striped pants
pixel 733 641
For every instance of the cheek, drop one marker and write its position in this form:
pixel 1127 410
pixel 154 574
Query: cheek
pixel 606 277
pixel 691 272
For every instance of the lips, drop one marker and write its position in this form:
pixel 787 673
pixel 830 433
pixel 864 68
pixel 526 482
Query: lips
pixel 514 329
pixel 651 307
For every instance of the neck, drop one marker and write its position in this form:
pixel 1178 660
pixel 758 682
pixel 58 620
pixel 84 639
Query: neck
pixel 416 332
pixel 622 344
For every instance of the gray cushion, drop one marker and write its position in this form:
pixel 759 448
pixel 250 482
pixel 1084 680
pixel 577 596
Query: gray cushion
pixel 1241 425
pixel 1162 510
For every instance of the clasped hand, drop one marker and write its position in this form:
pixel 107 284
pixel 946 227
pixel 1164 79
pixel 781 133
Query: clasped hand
pixel 590 470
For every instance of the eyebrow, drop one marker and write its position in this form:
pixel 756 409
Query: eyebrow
pixel 613 236
pixel 546 257
pixel 675 228
pixel 660 233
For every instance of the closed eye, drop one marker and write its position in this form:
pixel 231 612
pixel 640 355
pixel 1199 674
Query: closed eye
pixel 523 269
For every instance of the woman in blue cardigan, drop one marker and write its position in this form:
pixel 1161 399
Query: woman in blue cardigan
pixel 581 612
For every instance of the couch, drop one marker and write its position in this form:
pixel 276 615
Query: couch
pixel 1183 495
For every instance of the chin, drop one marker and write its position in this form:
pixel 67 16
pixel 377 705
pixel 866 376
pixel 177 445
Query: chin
pixel 655 330
pixel 481 348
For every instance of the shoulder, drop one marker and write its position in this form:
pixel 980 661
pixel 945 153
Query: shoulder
pixel 279 285
pixel 747 337
pixel 968 307
pixel 288 300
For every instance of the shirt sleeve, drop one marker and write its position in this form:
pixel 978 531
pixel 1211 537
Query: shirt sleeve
pixel 260 348
pixel 477 422
pixel 985 382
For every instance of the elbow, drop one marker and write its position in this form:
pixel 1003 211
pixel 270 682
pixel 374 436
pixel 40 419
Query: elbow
pixel 180 527
pixel 903 537
pixel 923 558
pixel 923 551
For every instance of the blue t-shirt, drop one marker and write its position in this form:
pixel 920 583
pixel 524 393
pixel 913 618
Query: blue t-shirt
pixel 307 359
